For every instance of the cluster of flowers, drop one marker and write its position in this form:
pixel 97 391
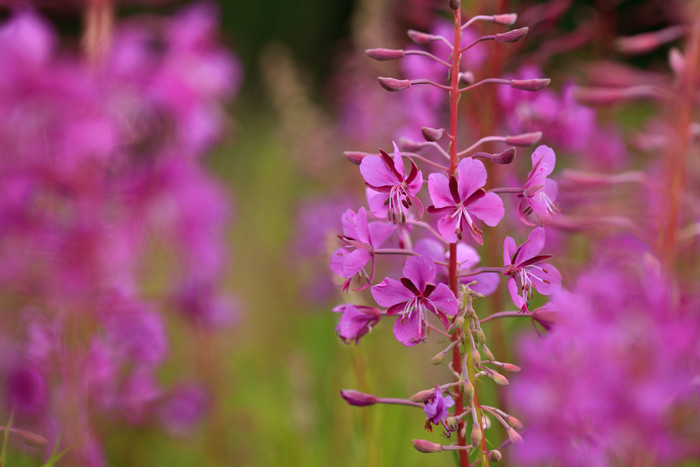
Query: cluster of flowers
pixel 440 276
pixel 102 168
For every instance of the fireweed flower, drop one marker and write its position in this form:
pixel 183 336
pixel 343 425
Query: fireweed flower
pixel 436 409
pixel 527 271
pixel 539 192
pixel 361 238
pixel 460 198
pixel 392 192
pixel 355 322
pixel 412 296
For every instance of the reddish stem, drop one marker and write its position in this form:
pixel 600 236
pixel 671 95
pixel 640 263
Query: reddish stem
pixel 454 109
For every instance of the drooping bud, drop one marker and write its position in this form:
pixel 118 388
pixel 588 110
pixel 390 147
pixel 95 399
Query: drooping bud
pixel 355 156
pixel 384 54
pixel 422 396
pixel 420 38
pixel 432 134
pixel 525 139
pixel 357 398
pixel 507 19
pixel 512 36
pixel 410 145
pixel 480 337
pixel 427 447
pixel 495 455
pixel 487 353
pixel 476 435
pixel 454 4
pixel 476 357
pixel 393 84
pixel 514 436
pixel 514 422
pixel 530 84
pixel 457 325
pixel 504 157
pixel 510 367
pixel 499 378
pixel 438 358
pixel 468 390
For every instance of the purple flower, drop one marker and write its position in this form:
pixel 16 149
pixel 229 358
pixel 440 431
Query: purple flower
pixel 355 322
pixel 412 296
pixel 392 191
pixel 527 271
pixel 461 198
pixel 539 192
pixel 436 408
pixel 360 238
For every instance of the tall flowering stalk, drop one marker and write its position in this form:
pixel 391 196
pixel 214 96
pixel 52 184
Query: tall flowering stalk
pixel 439 279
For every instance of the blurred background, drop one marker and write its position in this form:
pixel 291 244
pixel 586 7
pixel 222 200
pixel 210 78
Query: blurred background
pixel 307 94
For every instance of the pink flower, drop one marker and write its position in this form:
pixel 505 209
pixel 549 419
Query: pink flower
pixel 436 409
pixel 392 192
pixel 360 238
pixel 462 198
pixel 355 322
pixel 527 271
pixel 539 192
pixel 412 296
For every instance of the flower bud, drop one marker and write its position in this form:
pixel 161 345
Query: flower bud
pixel 384 54
pixel 525 139
pixel 420 38
pixel 487 353
pixel 466 77
pixel 476 435
pixel 676 61
pixel 510 367
pixel 457 325
pixel 454 4
pixel 393 84
pixel 512 36
pixel 648 41
pixel 507 19
pixel 438 358
pixel 476 357
pixel 530 84
pixel 354 156
pixel 29 438
pixel 499 378
pixel 357 398
pixel 421 396
pixel 468 390
pixel 504 157
pixel 422 445
pixel 514 422
pixel 432 134
pixel 495 455
pixel 514 436
pixel 480 337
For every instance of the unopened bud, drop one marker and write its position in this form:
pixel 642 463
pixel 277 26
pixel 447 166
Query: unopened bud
pixel 409 145
pixel 456 325
pixel 421 38
pixel 422 445
pixel 510 367
pixel 499 379
pixel 507 19
pixel 495 455
pixel 648 41
pixel 454 4
pixel 393 84
pixel 451 421
pixel 468 389
pixel 438 358
pixel 514 436
pixel 354 156
pixel 421 396
pixel 480 337
pixel 525 139
pixel 432 134
pixel 32 439
pixel 384 54
pixel 530 84
pixel 357 398
pixel 512 36
pixel 487 353
pixel 514 422
pixel 476 357
pixel 476 435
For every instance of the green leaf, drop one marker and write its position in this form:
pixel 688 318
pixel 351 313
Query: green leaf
pixel 6 436
pixel 55 457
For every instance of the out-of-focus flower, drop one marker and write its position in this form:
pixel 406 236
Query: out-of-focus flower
pixel 539 192
pixel 356 321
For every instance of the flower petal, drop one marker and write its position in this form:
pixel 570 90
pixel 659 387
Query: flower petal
pixel 410 331
pixel 439 188
pixel 489 209
pixel 379 232
pixel 390 292
pixel 354 262
pixel 543 158
pixel 546 278
pixel 376 201
pixel 376 173
pixel 532 247
pixel 419 270
pixel 443 298
pixel 471 175
pixel 398 161
pixel 337 260
pixel 518 300
pixel 448 226
pixel 509 248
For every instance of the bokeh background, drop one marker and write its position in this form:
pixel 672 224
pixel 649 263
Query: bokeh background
pixel 274 377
